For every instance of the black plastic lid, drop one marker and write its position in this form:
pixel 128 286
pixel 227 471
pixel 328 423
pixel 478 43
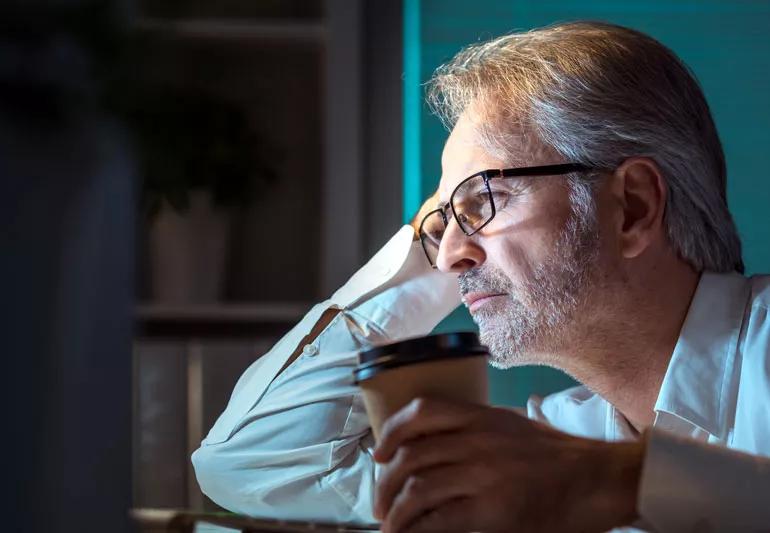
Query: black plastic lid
pixel 417 350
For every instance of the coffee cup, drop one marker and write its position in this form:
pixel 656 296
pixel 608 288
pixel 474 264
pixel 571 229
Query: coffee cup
pixel 449 366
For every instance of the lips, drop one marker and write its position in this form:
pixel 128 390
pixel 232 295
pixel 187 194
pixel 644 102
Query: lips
pixel 474 300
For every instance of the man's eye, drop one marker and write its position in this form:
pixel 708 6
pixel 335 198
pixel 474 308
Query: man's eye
pixel 502 198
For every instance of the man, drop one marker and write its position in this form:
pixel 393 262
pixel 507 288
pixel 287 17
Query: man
pixel 599 243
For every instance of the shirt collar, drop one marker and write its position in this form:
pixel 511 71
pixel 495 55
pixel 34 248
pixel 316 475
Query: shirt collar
pixel 697 387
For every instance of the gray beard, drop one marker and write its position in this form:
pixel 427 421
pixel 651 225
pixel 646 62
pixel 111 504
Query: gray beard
pixel 533 315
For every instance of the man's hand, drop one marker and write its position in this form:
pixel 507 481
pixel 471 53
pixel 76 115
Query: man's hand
pixel 457 468
pixel 428 205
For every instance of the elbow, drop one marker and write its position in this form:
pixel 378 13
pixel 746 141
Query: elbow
pixel 211 474
pixel 243 486
pixel 259 487
pixel 205 472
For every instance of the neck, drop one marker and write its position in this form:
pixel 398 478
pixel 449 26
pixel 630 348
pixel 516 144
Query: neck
pixel 623 354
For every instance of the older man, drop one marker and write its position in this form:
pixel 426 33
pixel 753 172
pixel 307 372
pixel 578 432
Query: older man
pixel 582 212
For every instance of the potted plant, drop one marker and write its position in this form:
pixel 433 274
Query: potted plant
pixel 199 159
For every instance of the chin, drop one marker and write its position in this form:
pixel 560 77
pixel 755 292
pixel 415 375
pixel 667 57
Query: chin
pixel 510 359
pixel 507 350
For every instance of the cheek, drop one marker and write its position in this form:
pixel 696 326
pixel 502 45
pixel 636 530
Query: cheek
pixel 522 240
pixel 609 226
pixel 515 255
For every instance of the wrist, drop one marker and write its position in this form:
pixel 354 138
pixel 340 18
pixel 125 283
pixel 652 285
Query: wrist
pixel 429 205
pixel 416 236
pixel 415 223
pixel 617 486
pixel 605 485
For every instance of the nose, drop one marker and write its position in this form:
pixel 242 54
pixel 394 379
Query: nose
pixel 458 252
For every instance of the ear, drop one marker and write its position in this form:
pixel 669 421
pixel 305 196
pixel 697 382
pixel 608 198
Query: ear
pixel 641 192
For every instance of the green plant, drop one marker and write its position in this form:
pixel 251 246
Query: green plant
pixel 189 140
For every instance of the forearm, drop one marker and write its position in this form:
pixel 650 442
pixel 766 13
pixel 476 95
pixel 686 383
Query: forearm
pixel 296 463
pixel 293 438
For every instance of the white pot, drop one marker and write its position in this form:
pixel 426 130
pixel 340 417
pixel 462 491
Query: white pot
pixel 188 253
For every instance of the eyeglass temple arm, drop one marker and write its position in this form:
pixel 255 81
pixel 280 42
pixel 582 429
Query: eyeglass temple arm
pixel 546 170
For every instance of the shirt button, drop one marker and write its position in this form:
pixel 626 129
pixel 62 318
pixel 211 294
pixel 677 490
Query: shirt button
pixel 310 349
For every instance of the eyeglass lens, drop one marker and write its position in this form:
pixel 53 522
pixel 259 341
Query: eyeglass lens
pixel 473 208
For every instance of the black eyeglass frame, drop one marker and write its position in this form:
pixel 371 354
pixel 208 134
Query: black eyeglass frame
pixel 538 171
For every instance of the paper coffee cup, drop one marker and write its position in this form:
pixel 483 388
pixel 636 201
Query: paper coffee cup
pixel 450 366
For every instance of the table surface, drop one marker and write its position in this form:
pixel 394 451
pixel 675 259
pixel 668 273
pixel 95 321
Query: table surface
pixel 184 521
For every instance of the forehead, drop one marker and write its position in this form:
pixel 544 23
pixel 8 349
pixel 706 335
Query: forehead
pixel 465 153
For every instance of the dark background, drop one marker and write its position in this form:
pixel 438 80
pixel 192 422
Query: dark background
pixel 108 388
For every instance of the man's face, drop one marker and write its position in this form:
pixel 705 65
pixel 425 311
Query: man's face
pixel 526 274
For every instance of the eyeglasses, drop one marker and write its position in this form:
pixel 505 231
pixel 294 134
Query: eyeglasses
pixel 474 203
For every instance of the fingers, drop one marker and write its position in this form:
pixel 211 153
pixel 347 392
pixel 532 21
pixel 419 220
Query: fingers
pixel 428 490
pixel 414 456
pixel 429 205
pixel 421 417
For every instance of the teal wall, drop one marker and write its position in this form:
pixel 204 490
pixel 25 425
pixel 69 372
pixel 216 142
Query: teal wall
pixel 727 45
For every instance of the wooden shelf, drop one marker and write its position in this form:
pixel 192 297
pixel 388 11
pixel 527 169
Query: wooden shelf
pixel 229 312
pixel 279 31
pixel 218 320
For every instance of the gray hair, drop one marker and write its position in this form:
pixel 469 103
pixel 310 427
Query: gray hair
pixel 598 94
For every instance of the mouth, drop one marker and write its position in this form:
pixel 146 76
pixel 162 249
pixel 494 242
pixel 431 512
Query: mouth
pixel 474 300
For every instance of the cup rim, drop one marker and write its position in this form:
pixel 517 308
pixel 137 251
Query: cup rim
pixel 417 350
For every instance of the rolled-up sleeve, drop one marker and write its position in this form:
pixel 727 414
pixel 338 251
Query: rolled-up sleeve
pixel 280 457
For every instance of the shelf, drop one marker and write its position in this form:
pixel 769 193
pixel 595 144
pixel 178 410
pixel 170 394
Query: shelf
pixel 222 320
pixel 223 312
pixel 279 31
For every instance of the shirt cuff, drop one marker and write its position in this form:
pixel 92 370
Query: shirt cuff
pixel 378 271
pixel 691 486
pixel 397 294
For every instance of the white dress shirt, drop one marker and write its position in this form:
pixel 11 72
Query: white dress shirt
pixel 296 444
